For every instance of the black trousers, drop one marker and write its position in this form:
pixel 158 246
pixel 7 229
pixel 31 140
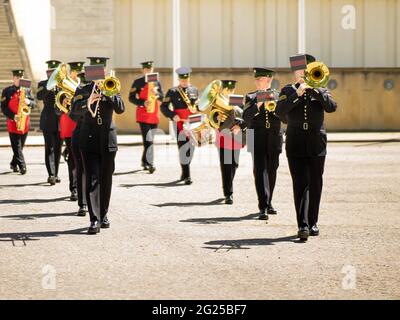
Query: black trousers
pixel 307 175
pixel 229 162
pixel 148 138
pixel 80 173
pixel 52 151
pixel 99 168
pixel 186 152
pixel 72 173
pixel 17 145
pixel 265 166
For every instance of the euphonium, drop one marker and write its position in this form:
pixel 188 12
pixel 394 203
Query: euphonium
pixel 212 97
pixel 62 80
pixel 316 74
pixel 23 111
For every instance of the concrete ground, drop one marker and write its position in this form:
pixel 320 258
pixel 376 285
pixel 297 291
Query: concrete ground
pixel 169 241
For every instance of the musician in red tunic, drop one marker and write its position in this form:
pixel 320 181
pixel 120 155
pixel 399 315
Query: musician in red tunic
pixel 10 100
pixel 147 112
pixel 67 127
pixel 230 139
pixel 183 99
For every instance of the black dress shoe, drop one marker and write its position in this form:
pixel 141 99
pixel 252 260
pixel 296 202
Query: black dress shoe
pixel 73 196
pixel 58 180
pixel 229 199
pixel 271 210
pixel 151 169
pixel 14 168
pixel 94 227
pixel 22 170
pixel 51 180
pixel 303 233
pixel 105 224
pixel 82 211
pixel 314 232
pixel 188 181
pixel 262 215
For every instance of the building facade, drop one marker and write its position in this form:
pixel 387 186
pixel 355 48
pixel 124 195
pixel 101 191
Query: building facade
pixel 358 39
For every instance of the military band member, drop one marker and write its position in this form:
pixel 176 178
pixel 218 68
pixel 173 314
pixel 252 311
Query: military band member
pixel 229 140
pixel 183 99
pixel 78 160
pixel 50 126
pixel 147 117
pixel 303 107
pixel 67 127
pixel 10 99
pixel 264 139
pixel 98 144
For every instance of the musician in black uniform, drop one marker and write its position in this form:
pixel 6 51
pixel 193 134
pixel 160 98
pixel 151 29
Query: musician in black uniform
pixel 303 108
pixel 147 119
pixel 98 144
pixel 230 139
pixel 78 160
pixel 10 99
pixel 184 100
pixel 50 126
pixel 264 138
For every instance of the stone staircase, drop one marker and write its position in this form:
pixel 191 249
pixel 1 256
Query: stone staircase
pixel 13 56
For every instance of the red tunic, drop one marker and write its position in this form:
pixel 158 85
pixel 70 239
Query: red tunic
pixel 227 140
pixel 141 113
pixel 67 126
pixel 183 114
pixel 13 106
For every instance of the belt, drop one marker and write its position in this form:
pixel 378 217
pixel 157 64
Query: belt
pixel 305 126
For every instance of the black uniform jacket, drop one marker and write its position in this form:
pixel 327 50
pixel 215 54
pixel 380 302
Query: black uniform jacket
pixel 97 134
pixel 50 115
pixel 305 135
pixel 257 120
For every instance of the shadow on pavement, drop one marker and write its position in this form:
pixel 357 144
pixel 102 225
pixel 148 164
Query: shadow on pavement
pixel 24 185
pixel 128 172
pixel 189 204
pixel 175 183
pixel 37 216
pixel 34 236
pixel 23 201
pixel 246 243
pixel 221 219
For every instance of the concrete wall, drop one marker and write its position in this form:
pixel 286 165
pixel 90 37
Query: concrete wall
pixel 241 33
pixel 363 103
pixel 82 28
pixel 33 24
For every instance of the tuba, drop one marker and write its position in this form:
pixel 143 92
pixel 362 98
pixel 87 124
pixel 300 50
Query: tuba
pixel 316 74
pixel 23 111
pixel 212 97
pixel 62 80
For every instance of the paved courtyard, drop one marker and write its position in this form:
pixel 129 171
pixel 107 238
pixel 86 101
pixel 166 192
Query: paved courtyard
pixel 170 241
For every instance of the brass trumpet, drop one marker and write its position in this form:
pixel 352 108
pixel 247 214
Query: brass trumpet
pixel 316 74
pixel 110 86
